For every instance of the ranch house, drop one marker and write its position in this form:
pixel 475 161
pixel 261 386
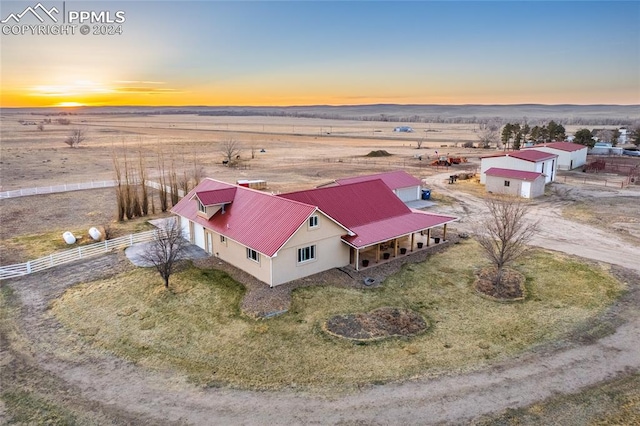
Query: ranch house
pixel 280 238
pixel 529 160
pixel 570 155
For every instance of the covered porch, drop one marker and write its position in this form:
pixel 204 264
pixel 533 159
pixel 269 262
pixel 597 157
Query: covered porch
pixel 385 251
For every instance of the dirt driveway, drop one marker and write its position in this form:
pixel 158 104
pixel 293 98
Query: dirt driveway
pixel 121 392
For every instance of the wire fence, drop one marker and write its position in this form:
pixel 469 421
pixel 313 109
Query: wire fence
pixel 608 183
pixel 82 252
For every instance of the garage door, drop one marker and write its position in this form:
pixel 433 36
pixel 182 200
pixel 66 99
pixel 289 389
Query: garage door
pixel 408 194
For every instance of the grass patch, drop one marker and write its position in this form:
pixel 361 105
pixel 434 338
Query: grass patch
pixel 613 403
pixel 197 327
pixel 29 408
pixel 38 245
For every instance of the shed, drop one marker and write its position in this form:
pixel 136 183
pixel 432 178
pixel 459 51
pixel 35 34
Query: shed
pixel 252 183
pixel 526 160
pixel 570 155
pixel 515 182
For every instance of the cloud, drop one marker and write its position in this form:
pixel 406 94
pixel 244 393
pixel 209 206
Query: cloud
pixel 142 87
pixel 144 90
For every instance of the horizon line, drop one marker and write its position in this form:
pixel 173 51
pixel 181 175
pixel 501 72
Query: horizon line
pixel 310 105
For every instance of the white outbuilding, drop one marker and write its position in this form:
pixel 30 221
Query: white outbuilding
pixel 526 160
pixel 570 155
pixel 515 182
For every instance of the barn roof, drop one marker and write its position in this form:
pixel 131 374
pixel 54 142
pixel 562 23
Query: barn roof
pixel 513 174
pixel 394 180
pixel 562 146
pixel 255 219
pixel 531 155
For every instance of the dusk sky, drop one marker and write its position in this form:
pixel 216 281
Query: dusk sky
pixel 306 53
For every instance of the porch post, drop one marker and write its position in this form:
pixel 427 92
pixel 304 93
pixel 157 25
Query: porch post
pixel 444 233
pixel 357 259
pixel 428 236
pixel 396 243
pixel 413 237
pixel 378 253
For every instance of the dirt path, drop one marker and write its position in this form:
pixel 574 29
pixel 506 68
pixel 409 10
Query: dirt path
pixel 128 392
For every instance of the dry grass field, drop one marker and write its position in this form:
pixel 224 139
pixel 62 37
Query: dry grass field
pixel 298 152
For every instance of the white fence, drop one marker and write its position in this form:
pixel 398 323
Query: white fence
pixel 67 256
pixel 75 187
pixel 57 188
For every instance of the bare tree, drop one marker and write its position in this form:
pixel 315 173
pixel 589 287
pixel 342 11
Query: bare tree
pixel 166 249
pixel 419 143
pixel 605 135
pixel 41 126
pixel 487 136
pixel 76 137
pixel 231 151
pixel 505 234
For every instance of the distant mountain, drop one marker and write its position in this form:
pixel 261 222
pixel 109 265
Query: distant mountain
pixel 532 113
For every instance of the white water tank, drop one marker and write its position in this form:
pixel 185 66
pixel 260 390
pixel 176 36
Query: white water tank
pixel 69 238
pixel 95 234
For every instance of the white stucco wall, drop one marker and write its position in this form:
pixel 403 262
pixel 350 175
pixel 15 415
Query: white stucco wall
pixel 517 187
pixel 330 251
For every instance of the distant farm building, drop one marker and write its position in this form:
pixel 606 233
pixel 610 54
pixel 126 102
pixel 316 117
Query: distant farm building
pixel 526 160
pixel 570 155
pixel 604 148
pixel 514 182
pixel 403 129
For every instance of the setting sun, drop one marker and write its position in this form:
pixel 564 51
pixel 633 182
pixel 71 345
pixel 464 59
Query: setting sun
pixel 70 104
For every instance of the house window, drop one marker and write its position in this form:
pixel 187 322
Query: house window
pixel 201 207
pixel 223 240
pixel 507 183
pixel 306 254
pixel 253 255
pixel 313 221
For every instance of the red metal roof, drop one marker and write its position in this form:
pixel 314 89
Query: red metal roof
pixel 394 180
pixel 369 209
pixel 255 219
pixel 216 196
pixel 526 155
pixel 513 174
pixel 354 204
pixel 562 146
pixel 387 229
